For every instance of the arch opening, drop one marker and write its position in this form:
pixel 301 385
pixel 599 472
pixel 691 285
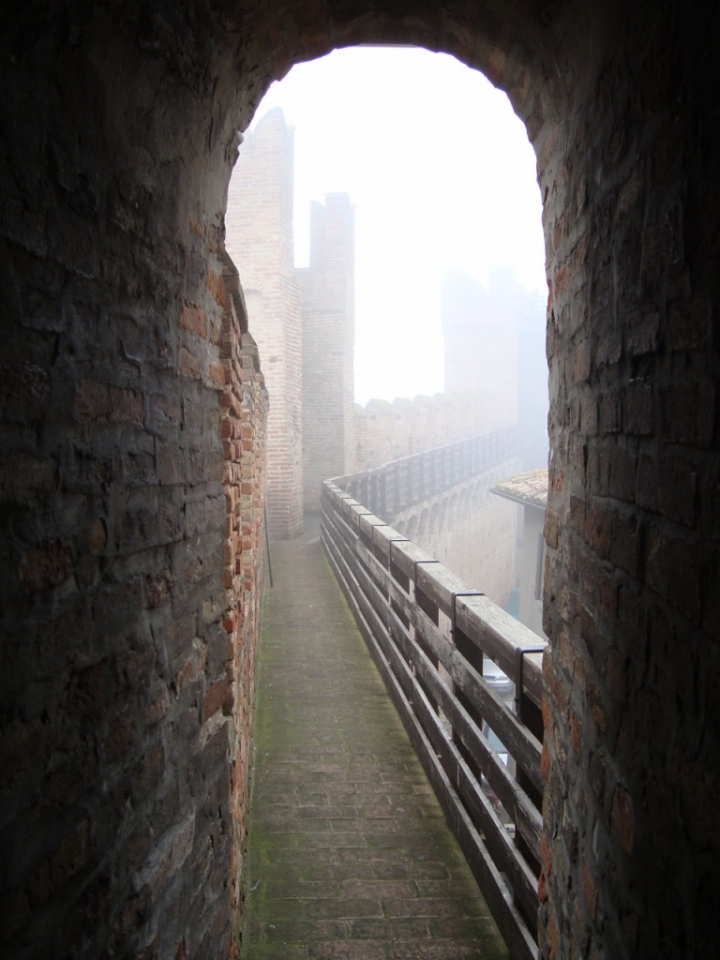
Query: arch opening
pixel 432 247
pixel 118 686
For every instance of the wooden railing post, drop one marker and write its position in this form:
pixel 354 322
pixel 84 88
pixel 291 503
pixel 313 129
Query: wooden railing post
pixel 426 604
pixel 470 650
pixel 401 578
pixel 382 504
pixel 529 712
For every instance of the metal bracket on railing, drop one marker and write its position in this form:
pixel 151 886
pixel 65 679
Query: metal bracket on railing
pixel 519 654
pixel 415 566
pixel 453 611
pixel 368 513
pixel 372 531
pixel 393 540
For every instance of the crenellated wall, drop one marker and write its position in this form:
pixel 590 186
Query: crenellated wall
pixel 494 366
pixel 388 431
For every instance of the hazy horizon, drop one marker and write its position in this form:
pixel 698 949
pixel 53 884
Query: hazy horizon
pixel 442 178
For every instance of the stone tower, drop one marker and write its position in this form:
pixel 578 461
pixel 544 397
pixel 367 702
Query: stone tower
pixel 328 335
pixel 259 238
pixel 481 343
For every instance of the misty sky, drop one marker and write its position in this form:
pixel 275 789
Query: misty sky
pixel 442 177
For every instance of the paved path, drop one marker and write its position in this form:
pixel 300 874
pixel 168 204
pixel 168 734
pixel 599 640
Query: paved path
pixel 349 856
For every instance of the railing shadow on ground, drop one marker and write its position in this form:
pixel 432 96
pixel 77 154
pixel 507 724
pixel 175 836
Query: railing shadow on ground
pixel 432 638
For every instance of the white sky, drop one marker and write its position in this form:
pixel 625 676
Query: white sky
pixel 442 177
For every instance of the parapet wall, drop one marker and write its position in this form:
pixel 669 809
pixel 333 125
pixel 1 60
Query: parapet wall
pixel 387 431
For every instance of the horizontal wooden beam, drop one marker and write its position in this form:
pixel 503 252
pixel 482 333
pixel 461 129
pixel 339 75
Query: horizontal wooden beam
pixel 381 572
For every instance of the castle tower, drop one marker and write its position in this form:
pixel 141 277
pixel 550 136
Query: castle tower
pixel 480 328
pixel 328 336
pixel 259 238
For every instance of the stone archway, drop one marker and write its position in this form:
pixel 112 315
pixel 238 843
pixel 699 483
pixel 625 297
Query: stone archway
pixel 119 134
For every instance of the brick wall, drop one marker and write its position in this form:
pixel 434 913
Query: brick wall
pixel 243 430
pixel 122 768
pixel 633 757
pixel 118 134
pixel 260 241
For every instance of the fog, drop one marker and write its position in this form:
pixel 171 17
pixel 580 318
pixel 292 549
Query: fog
pixel 443 180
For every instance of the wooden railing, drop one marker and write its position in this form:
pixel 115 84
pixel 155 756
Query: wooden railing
pixel 431 637
pixel 400 484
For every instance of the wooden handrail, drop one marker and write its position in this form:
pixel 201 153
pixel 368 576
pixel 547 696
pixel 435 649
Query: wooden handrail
pixel 404 602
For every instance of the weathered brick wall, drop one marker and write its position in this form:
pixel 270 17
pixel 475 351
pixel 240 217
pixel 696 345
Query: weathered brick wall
pixel 243 429
pixel 116 796
pixel 633 759
pixel 328 336
pixel 260 240
pixel 117 139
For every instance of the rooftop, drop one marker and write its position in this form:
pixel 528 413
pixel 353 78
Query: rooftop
pixel 526 488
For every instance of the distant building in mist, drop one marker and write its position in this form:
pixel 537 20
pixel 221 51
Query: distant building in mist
pixel 302 319
pixel 327 289
pixel 495 348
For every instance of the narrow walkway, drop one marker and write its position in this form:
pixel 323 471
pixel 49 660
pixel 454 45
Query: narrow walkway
pixel 349 856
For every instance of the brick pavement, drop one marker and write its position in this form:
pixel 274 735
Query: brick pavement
pixel 349 857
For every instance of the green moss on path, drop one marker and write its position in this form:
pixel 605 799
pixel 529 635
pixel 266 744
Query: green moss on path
pixel 349 855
